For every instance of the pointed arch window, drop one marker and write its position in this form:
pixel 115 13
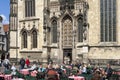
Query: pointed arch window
pixel 24 39
pixel 54 31
pixel 67 31
pixel 34 39
pixel 80 29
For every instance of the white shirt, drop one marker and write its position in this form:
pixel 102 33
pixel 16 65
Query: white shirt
pixel 33 67
pixel 84 70
pixel 13 68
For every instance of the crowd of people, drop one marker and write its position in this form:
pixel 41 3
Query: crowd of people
pixel 52 71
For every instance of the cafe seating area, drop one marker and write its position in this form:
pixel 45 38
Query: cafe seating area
pixel 67 73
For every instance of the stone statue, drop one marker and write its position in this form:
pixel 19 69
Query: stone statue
pixel 85 32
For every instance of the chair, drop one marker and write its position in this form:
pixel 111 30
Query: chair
pixel 40 75
pixel 114 77
pixel 63 77
pixel 7 72
pixel 74 72
pixel 19 75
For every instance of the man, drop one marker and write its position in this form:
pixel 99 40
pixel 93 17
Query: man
pixel 22 63
pixel 108 71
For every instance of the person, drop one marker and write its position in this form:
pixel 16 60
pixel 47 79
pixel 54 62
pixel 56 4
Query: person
pixel 96 75
pixel 6 64
pixel 108 71
pixel 41 68
pixel 2 58
pixel 33 67
pixel 13 68
pixel 103 75
pixel 22 63
pixel 41 72
pixel 59 70
pixel 27 62
pixel 84 70
pixel 51 73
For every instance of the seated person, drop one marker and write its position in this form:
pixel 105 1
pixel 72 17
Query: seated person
pixel 41 68
pixel 51 73
pixel 33 67
pixel 96 75
pixel 84 69
pixel 41 72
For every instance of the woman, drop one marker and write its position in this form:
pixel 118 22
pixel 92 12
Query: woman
pixel 27 62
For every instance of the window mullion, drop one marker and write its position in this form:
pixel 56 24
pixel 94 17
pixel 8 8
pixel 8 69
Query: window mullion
pixel 108 21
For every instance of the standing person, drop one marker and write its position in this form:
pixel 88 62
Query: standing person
pixel 13 68
pixel 2 58
pixel 6 64
pixel 27 62
pixel 22 63
pixel 108 71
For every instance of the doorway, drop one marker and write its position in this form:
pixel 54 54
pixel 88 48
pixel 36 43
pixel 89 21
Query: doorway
pixel 67 56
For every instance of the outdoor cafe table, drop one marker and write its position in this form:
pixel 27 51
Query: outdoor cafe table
pixel 77 77
pixel 24 71
pixel 6 77
pixel 117 72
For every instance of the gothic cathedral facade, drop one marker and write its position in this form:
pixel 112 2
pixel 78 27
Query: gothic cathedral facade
pixel 65 30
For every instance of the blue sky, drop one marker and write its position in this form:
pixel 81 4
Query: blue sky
pixel 5 10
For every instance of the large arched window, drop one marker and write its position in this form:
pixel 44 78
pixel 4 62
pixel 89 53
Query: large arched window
pixel 54 31
pixel 67 31
pixel 80 29
pixel 34 39
pixel 24 39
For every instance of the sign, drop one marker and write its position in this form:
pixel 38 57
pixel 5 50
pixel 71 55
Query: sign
pixel 85 49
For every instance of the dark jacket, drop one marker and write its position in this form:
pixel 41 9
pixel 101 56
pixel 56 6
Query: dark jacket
pixel 108 71
pixel 22 61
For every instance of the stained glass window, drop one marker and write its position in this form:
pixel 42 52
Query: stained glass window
pixel 67 33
